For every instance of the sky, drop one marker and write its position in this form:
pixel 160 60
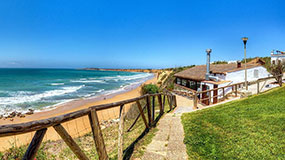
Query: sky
pixel 136 33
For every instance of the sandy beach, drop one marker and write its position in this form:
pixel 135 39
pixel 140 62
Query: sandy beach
pixel 75 127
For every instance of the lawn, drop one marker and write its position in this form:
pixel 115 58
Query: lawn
pixel 252 128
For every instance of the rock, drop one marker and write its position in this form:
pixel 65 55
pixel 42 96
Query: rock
pixel 22 116
pixel 31 111
pixel 12 115
pixel 1 116
pixel 11 119
pixel 19 114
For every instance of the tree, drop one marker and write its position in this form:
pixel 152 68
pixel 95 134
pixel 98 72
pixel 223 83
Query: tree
pixel 220 62
pixel 277 71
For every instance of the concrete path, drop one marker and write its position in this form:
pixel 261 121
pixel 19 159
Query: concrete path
pixel 168 144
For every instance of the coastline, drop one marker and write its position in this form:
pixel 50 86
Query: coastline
pixel 128 92
pixel 77 127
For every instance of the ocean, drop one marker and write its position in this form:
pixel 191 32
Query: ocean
pixel 42 89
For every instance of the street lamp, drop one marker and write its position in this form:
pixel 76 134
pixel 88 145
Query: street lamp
pixel 244 39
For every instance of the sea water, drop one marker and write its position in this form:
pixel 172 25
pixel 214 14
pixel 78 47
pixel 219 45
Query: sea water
pixel 40 89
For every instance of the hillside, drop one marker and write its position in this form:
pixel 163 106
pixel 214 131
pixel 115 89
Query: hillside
pixel 251 128
pixel 127 70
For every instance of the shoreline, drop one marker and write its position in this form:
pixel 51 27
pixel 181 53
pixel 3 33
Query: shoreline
pixel 81 103
pixel 76 104
pixel 77 127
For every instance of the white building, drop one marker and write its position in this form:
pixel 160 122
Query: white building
pixel 277 56
pixel 220 75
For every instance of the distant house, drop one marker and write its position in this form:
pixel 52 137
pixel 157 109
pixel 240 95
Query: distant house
pixel 277 57
pixel 220 75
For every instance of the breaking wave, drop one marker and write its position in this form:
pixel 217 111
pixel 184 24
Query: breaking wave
pixel 24 97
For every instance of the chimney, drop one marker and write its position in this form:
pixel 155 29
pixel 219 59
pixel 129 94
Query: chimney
pixel 208 64
pixel 238 64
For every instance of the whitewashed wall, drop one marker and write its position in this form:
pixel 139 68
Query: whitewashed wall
pixel 238 76
pixel 277 57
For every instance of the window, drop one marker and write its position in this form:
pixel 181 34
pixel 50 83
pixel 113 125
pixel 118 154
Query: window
pixel 192 85
pixel 184 82
pixel 178 81
pixel 198 85
pixel 255 73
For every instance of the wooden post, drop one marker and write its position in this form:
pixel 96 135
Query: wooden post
pixel 70 142
pixel 160 104
pixel 175 101
pixel 148 110
pixel 195 100
pixel 141 112
pixel 35 145
pixel 163 103
pixel 97 135
pixel 223 93
pixel 236 90
pixel 121 132
pixel 153 109
pixel 210 97
pixel 169 102
pixel 257 87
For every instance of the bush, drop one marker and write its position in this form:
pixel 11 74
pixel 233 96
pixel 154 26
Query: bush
pixel 150 89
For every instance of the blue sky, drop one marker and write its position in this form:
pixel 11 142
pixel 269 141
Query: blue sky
pixel 136 33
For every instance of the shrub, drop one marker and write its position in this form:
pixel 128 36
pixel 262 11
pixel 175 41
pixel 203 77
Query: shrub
pixel 150 89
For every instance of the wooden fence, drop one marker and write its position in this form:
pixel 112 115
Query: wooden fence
pixel 192 94
pixel 41 126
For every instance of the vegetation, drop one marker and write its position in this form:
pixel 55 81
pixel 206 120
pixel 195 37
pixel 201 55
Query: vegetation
pixel 149 89
pixel 169 82
pixel 220 62
pixel 277 71
pixel 251 128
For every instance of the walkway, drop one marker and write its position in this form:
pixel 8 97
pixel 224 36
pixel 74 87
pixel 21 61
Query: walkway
pixel 168 141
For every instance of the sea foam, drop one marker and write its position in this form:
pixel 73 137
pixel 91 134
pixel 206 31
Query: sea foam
pixel 22 97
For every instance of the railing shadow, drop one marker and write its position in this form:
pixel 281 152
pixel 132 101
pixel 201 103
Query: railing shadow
pixel 128 152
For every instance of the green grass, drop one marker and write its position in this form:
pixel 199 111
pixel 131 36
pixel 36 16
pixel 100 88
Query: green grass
pixel 252 128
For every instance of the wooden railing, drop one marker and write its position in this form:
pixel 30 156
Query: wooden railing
pixel 234 87
pixel 184 91
pixel 41 126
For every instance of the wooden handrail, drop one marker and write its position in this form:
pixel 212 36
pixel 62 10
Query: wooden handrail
pixel 189 89
pixel 41 126
pixel 219 88
pixel 20 128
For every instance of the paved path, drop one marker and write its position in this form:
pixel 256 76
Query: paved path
pixel 168 141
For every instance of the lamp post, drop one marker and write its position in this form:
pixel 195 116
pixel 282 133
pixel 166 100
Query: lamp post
pixel 244 39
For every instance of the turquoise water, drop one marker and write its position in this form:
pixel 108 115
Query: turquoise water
pixel 21 89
